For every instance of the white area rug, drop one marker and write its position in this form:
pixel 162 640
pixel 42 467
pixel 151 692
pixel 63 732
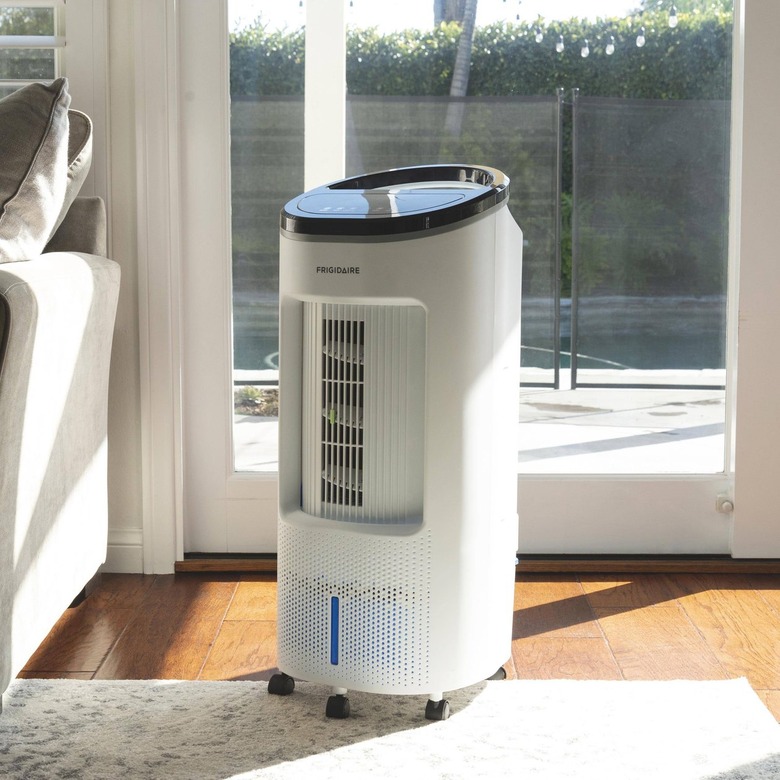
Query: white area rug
pixel 518 729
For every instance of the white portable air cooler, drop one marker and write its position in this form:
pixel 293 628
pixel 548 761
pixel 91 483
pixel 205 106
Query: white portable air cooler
pixel 399 358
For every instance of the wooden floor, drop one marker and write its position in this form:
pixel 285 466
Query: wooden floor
pixel 587 627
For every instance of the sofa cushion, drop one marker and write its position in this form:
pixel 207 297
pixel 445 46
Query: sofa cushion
pixel 33 167
pixel 83 229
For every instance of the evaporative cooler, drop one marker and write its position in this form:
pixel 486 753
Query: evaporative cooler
pixel 399 371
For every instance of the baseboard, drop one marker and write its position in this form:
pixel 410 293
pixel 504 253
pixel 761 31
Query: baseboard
pixel 532 564
pixel 125 554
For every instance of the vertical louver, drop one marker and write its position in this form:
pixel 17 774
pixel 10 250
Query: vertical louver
pixel 343 342
pixel 363 412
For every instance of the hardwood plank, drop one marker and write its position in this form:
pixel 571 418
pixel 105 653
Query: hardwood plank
pixel 553 658
pixel 244 650
pixel 205 594
pixel 658 644
pixel 123 591
pixel 739 625
pixel 552 606
pixel 171 635
pixel 80 639
pixel 84 635
pixel 254 599
pixel 768 587
pixel 152 648
pixel 635 590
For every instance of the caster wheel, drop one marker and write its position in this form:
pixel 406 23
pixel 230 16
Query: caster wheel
pixel 337 707
pixel 499 674
pixel 437 710
pixel 281 684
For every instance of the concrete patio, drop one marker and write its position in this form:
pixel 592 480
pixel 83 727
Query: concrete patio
pixel 582 431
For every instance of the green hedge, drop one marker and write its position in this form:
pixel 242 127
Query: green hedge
pixel 691 61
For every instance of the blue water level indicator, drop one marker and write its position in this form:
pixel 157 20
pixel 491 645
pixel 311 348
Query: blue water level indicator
pixel 334 630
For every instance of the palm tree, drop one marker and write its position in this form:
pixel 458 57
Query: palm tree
pixel 460 73
pixel 447 11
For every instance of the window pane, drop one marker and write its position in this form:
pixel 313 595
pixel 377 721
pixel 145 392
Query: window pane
pixel 266 135
pixel 26 21
pixel 26 64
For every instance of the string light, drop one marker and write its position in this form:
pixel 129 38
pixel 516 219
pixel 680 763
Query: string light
pixel 611 45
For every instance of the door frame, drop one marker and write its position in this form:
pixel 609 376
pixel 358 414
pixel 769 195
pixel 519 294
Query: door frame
pixel 751 530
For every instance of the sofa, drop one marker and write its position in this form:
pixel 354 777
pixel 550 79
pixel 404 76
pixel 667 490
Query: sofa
pixel 58 298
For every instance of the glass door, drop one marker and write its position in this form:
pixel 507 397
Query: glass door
pixel 620 448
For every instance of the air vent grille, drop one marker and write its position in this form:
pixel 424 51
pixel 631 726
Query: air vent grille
pixel 363 412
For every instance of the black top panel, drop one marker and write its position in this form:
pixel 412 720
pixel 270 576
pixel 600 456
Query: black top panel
pixel 403 200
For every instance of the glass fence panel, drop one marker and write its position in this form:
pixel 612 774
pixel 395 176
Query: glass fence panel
pixel 266 171
pixel 650 242
pixel 518 135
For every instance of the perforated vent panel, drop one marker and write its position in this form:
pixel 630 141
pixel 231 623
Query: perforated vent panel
pixel 354 609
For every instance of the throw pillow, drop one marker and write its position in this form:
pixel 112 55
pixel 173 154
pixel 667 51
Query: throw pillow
pixel 79 160
pixel 33 167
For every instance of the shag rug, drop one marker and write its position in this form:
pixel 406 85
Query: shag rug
pixel 508 729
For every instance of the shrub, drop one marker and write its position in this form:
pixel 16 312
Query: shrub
pixel 691 61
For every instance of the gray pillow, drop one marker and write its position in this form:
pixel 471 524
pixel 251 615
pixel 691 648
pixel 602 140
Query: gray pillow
pixel 33 167
pixel 79 159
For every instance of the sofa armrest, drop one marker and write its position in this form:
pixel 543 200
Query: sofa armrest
pixel 83 229
pixel 56 325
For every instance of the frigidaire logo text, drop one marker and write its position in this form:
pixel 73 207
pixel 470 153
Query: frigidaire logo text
pixel 338 269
